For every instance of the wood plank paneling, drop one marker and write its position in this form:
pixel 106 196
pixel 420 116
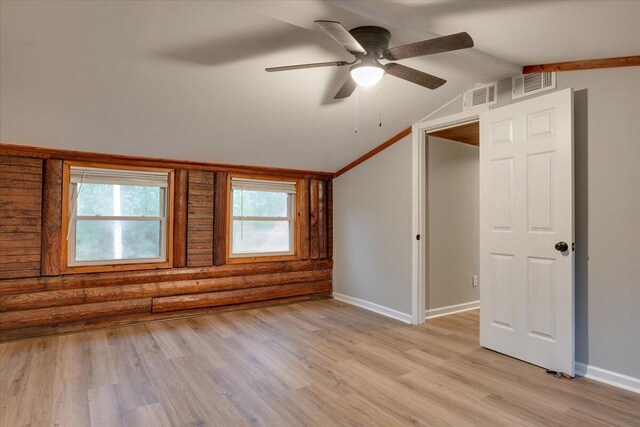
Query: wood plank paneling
pixel 220 220
pixel 21 208
pixel 467 134
pixel 330 219
pixel 180 209
pixel 200 219
pixel 213 299
pixel 322 219
pixel 318 219
pixel 303 218
pixel 51 218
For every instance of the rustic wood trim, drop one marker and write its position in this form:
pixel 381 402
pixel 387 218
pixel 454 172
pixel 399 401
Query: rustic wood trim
pixel 322 219
pixel 373 152
pixel 181 204
pixel 314 216
pixel 116 159
pixel 229 219
pixel 51 218
pixel 330 219
pixel 64 268
pixel 587 64
pixel 222 186
pixel 303 218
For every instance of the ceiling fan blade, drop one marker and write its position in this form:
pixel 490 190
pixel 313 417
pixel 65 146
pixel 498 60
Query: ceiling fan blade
pixel 341 35
pixel 313 65
pixel 347 89
pixel 429 47
pixel 414 76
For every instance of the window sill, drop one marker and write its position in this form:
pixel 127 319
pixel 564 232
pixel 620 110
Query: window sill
pixel 263 258
pixel 115 267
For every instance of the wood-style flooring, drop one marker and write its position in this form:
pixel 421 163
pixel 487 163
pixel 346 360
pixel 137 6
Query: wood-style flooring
pixel 321 363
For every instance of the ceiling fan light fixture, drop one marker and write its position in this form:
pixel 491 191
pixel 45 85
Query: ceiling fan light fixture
pixel 367 74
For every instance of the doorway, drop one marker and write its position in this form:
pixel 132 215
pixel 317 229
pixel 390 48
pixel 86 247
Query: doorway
pixel 452 220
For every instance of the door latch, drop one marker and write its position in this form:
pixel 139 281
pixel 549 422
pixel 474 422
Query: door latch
pixel 417 237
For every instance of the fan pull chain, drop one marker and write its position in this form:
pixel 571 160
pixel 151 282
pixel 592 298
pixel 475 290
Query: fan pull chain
pixel 356 109
pixel 380 105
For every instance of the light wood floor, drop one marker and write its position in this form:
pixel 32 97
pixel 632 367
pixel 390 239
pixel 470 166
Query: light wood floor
pixel 314 363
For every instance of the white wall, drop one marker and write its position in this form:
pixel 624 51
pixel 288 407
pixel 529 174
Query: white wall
pixel 372 229
pixel 607 179
pixel 453 222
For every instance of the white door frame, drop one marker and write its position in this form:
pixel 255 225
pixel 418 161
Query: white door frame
pixel 418 203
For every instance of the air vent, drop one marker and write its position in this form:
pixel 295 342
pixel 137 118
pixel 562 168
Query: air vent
pixel 529 84
pixel 479 96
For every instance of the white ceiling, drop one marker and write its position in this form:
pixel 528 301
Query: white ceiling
pixel 186 80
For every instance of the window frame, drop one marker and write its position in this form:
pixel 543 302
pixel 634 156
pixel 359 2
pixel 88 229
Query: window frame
pixel 68 266
pixel 293 219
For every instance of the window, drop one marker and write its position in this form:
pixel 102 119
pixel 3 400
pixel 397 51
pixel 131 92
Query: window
pixel 263 218
pixel 117 216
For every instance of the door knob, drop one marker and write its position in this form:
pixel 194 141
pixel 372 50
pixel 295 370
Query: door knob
pixel 562 247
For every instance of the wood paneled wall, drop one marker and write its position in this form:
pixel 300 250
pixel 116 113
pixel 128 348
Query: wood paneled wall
pixel 20 216
pixel 35 299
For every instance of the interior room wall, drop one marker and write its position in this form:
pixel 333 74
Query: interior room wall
pixel 453 222
pixel 372 230
pixel 607 213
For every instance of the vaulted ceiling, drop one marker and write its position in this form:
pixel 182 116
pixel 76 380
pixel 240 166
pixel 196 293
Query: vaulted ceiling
pixel 186 80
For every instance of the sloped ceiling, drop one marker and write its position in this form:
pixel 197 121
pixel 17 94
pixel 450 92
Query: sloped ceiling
pixel 186 80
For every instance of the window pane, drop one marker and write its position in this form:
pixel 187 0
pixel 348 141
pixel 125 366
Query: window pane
pixel 114 240
pixel 259 203
pixel 260 236
pixel 119 200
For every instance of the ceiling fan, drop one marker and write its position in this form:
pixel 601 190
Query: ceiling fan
pixel 370 44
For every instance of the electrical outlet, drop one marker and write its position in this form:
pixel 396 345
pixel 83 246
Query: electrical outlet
pixel 475 281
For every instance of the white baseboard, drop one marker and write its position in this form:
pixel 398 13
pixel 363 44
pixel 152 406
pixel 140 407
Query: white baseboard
pixel 376 308
pixel 451 309
pixel 608 377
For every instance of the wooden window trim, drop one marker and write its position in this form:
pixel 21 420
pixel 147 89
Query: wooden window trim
pixel 66 175
pixel 229 220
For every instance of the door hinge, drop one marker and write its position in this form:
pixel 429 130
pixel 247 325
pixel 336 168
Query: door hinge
pixel 417 237
pixel 573 247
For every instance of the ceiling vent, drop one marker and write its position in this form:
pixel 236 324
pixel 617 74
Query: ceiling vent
pixel 479 96
pixel 529 84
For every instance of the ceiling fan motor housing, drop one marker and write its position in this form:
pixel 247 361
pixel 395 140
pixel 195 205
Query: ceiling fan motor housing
pixel 375 40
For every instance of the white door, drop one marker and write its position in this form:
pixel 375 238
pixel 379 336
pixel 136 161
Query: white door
pixel 526 210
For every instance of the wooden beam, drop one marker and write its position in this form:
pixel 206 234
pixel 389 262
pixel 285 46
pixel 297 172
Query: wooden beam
pixel 51 218
pixel 373 152
pixel 588 64
pixel 180 207
pixel 7 149
pixel 467 134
